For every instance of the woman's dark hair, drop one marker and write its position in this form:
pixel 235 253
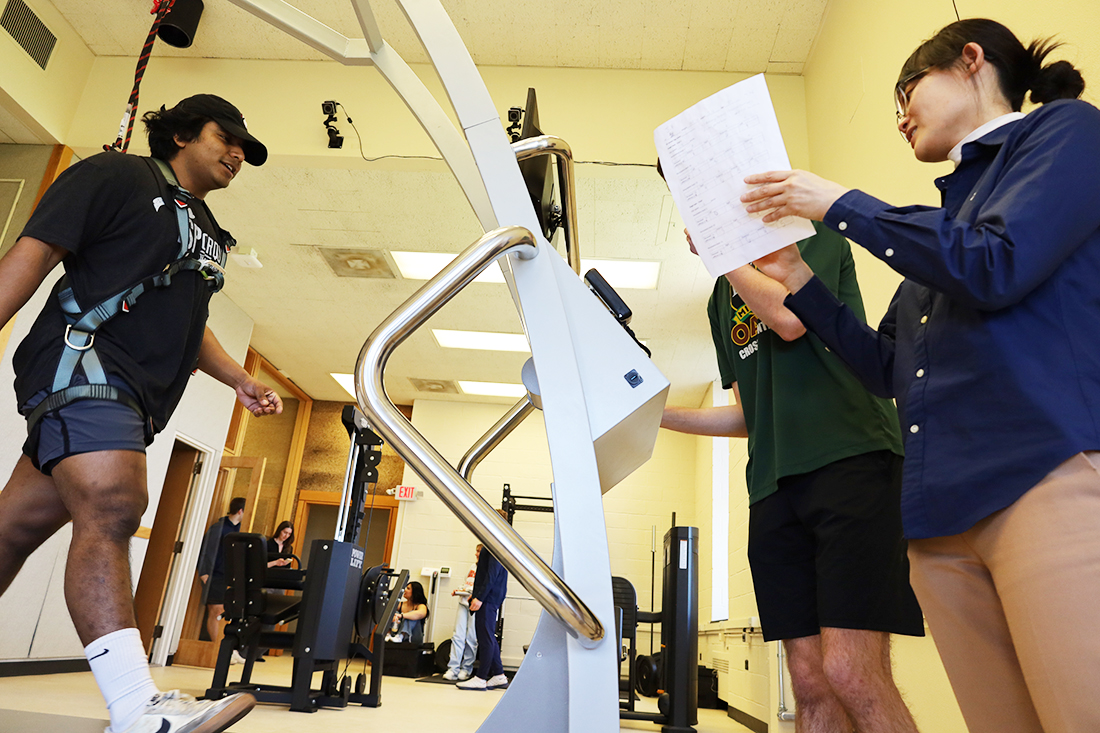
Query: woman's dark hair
pixel 1019 69
pixel 285 524
pixel 418 596
pixel 162 127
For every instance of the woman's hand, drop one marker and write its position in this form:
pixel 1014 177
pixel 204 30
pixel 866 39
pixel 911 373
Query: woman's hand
pixel 786 267
pixel 791 193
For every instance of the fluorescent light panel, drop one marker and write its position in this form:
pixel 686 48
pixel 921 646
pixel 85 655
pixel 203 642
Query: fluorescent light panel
pixel 492 389
pixel 347 381
pixel 426 265
pixel 481 340
pixel 624 274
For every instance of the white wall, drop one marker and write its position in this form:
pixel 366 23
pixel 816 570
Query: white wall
pixel 430 536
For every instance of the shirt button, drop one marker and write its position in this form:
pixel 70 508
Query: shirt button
pixel 842 225
pixel 920 373
pixel 924 319
pixel 889 253
pixel 914 428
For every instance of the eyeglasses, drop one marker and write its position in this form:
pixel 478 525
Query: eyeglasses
pixel 902 89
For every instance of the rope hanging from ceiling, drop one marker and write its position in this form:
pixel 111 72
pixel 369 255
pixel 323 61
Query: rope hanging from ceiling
pixel 126 127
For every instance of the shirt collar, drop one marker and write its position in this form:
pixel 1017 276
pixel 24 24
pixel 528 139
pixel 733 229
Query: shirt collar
pixel 955 156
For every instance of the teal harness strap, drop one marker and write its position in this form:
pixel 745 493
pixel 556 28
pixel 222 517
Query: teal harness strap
pixel 81 326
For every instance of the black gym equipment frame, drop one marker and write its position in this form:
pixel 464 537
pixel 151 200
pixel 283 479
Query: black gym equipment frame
pixel 341 605
pixel 676 670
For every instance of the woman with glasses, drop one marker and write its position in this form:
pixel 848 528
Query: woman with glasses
pixel 991 347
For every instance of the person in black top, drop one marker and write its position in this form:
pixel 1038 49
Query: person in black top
pixel 96 392
pixel 211 568
pixel 281 543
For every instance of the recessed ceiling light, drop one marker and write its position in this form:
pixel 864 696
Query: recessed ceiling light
pixel 481 340
pixel 621 274
pixel 492 389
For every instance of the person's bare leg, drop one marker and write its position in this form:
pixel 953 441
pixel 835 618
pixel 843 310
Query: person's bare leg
pixel 858 668
pixel 213 612
pixel 31 511
pixel 106 496
pixel 817 709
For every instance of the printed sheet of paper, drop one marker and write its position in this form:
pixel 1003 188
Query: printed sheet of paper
pixel 706 152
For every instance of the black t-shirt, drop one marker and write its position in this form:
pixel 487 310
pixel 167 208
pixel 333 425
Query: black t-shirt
pixel 114 215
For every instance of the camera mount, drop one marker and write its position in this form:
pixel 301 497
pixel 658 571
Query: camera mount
pixel 335 139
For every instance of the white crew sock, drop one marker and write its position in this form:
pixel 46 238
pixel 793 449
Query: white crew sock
pixel 121 670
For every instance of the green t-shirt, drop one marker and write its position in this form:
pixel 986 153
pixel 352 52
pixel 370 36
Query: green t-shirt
pixel 803 408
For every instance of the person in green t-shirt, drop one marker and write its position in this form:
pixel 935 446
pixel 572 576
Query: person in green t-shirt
pixel 826 549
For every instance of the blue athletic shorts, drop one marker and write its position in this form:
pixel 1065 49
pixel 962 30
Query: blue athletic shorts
pixel 84 426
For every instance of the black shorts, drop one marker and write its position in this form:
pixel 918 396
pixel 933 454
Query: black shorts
pixel 84 426
pixel 215 593
pixel 827 550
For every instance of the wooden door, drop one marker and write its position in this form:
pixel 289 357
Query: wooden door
pixel 163 539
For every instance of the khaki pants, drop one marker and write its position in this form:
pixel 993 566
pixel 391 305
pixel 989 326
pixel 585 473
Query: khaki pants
pixel 1014 607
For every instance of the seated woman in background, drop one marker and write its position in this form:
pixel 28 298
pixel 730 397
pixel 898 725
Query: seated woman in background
pixel 280 547
pixel 408 622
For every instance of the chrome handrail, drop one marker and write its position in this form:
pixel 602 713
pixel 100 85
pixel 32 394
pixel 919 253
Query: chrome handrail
pixel 516 414
pixel 456 493
pixel 553 145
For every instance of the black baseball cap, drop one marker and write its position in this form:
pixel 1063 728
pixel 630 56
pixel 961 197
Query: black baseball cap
pixel 231 120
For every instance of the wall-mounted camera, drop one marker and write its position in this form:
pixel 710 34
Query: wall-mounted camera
pixel 335 139
pixel 515 122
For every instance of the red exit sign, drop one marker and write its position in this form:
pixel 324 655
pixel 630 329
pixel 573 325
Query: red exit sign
pixel 406 493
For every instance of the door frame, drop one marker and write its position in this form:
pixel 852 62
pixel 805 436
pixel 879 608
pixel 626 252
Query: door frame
pixel 183 572
pixel 332 498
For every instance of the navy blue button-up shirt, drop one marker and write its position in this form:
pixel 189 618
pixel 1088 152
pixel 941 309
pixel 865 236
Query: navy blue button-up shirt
pixel 991 345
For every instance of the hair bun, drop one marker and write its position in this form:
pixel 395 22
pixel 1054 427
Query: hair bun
pixel 1060 80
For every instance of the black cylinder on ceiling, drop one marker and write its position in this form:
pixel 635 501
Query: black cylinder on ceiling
pixel 180 23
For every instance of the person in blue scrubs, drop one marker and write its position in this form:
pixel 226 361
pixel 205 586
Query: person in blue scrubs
pixel 991 347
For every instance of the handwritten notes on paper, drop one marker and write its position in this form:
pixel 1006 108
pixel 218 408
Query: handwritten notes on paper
pixel 706 152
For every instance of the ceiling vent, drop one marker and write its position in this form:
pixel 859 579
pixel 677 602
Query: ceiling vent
pixel 357 262
pixel 434 386
pixel 28 31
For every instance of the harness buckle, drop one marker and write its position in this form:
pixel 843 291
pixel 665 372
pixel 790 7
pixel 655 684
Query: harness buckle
pixel 74 347
pixel 209 269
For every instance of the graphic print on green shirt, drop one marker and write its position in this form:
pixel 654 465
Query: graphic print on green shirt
pixel 802 406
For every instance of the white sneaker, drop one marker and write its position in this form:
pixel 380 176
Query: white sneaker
pixel 450 675
pixel 236 658
pixel 474 683
pixel 175 712
pixel 463 675
pixel 496 682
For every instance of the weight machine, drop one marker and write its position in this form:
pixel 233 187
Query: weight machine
pixel 340 606
pixel 601 396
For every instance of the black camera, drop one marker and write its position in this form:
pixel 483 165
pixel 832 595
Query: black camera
pixel 328 108
pixel 514 114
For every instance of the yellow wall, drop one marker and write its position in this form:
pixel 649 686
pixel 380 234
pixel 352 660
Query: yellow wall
pixel 603 114
pixel 46 100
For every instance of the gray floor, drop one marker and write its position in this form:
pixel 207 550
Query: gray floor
pixel 18 721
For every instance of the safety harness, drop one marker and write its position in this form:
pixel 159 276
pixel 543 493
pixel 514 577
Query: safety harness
pixel 81 325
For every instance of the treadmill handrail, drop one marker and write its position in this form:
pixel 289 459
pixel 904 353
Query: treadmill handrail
pixel 503 427
pixel 457 494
